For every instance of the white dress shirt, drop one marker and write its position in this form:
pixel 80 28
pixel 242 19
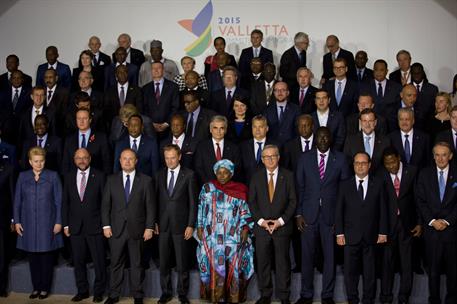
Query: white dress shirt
pixel 138 140
pixel 175 175
pixel 179 141
pixel 364 184
pixel 256 146
pixel 221 146
pixel 323 117
pixel 303 142
pixel 35 114
pixel 410 139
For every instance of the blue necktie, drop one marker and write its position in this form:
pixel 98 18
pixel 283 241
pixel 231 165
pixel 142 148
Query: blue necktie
pixel 367 145
pixel 127 189
pixel 83 141
pixel 259 153
pixel 281 113
pixel 134 146
pixel 171 183
pixel 40 142
pixel 379 90
pixel 339 92
pixel 442 185
pixel 407 149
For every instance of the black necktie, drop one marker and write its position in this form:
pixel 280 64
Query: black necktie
pixel 379 90
pixel 190 126
pixel 171 183
pixel 127 188
pixel 360 189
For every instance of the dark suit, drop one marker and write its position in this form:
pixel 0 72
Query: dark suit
pixel 63 72
pixel 26 126
pixel 136 57
pixel 128 220
pixel 396 76
pixel 245 133
pixel 133 95
pixel 316 204
pixel 5 82
pixel 24 101
pixel 328 64
pixel 284 130
pixel 292 152
pixel 247 81
pixel 353 124
pixel 367 75
pixel 188 148
pixel 349 97
pixel 215 81
pixel 335 123
pixel 441 246
pixel 98 77
pixel 58 105
pixel 355 144
pixel 218 100
pixel 119 130
pixel 7 179
pixel 402 218
pixel 420 154
pixel 386 104
pixel 360 221
pixel 308 105
pixel 147 154
pixel 258 97
pixel 248 150
pixel 97 145
pixel 201 129
pixel 425 103
pixel 176 213
pixel 53 147
pixel 83 218
pixel 110 75
pixel 168 104
pixel 8 153
pixel 102 61
pixel 283 206
pixel 205 158
pixel 244 64
pixel 289 64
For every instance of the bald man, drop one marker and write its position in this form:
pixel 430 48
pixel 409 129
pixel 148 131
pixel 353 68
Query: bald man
pixel 134 56
pixel 100 58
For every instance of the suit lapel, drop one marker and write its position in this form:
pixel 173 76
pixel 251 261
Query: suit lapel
pixel 136 181
pixel 449 186
pixel 89 185
pixel 279 182
pixel 329 167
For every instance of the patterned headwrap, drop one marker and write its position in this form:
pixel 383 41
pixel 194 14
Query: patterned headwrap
pixel 224 163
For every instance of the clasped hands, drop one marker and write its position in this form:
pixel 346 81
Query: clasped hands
pixel 270 225
pixel 439 224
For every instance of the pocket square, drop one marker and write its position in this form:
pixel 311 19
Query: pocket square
pixel 454 185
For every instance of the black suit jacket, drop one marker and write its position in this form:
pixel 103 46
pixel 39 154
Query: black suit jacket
pixel 337 127
pixel 283 205
pixel 355 144
pixel 244 64
pixel 248 158
pixel 58 105
pixel 201 130
pixel 292 151
pixel 133 95
pixel 103 60
pixel 205 158
pixel 98 76
pixel 136 57
pixel 386 104
pixel 53 147
pixel 403 206
pixel 353 126
pixel 7 180
pixel 284 130
pixel 349 98
pixel 447 136
pixel 258 97
pixel 289 64
pixel 97 145
pixel 328 64
pixel 366 76
pixel 309 105
pixel 361 220
pixel 421 151
pixel 83 217
pixel 187 151
pixel 136 214
pixel 215 81
pixel 110 75
pixel 5 82
pixel 24 101
pixel 218 100
pixel 425 103
pixel 396 76
pixel 168 105
pixel 178 211
pixel 26 127
pixel 431 207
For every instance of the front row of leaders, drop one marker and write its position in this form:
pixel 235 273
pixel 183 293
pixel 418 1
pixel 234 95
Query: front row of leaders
pixel 124 210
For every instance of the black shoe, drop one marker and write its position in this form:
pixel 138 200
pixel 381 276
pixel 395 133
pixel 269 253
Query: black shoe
pixel 165 298
pixel 326 301
pixel 97 299
pixel 43 295
pixel 34 294
pixel 112 300
pixel 79 297
pixel 264 300
pixel 3 294
pixel 183 300
pixel 285 302
pixel 138 300
pixel 305 301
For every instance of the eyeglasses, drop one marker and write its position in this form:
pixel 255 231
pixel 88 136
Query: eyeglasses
pixel 361 163
pixel 270 157
pixel 280 90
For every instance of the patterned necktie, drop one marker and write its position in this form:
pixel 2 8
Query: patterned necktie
pixel 157 92
pixel 83 141
pixel 122 96
pixel 271 187
pixel 407 149
pixel 360 189
pixel 49 96
pixel 339 93
pixel 442 185
pixel 397 185
pixel 404 78
pixel 268 92
pixel 259 153
pixel 322 166
pixel 302 96
pixel 367 145
pixel 171 183
pixel 379 90
pixel 218 152
pixel 134 146
pixel 82 186
pixel 15 98
pixel 127 188
pixel 40 142
pixel 190 125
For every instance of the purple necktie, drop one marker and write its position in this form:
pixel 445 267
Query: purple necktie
pixel 322 166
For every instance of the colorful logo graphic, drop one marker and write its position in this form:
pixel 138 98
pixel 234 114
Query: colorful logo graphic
pixel 200 27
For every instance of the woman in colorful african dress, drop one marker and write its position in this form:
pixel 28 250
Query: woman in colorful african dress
pixel 225 250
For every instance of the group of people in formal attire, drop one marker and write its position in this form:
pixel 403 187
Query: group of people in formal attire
pixel 125 159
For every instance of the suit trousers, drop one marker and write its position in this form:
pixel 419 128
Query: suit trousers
pixel 80 245
pixel 118 257
pixel 279 245
pixel 315 234
pixel 441 255
pixel 4 260
pixel 169 245
pixel 41 266
pixel 362 254
pixel 398 248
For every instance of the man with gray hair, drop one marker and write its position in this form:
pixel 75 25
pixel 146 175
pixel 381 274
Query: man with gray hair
pixel 134 56
pixel 211 150
pixel 293 59
pixel 100 58
pixel 169 66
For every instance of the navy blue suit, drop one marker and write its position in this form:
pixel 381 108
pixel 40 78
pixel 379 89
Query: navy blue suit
pixel 63 71
pixel 349 97
pixel 147 154
pixel 284 130
pixel 168 105
pixel 8 153
pixel 218 100
pixel 337 127
pixel 244 64
pixel 316 203
pixel 420 154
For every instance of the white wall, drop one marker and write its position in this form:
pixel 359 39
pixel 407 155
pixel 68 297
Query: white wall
pixel 428 29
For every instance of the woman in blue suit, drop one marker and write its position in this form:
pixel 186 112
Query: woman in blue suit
pixel 37 219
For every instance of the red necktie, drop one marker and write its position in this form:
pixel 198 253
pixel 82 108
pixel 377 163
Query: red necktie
pixel 302 96
pixel 397 189
pixel 218 152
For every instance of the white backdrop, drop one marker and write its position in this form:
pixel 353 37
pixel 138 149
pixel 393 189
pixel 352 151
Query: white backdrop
pixel 428 29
